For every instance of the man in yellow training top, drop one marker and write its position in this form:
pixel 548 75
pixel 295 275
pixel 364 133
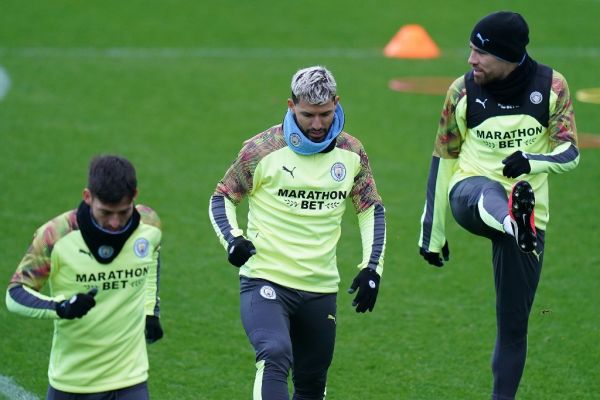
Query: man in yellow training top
pixel 101 262
pixel 505 126
pixel 297 177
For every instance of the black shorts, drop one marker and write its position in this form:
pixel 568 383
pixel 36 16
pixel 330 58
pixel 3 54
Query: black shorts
pixel 135 392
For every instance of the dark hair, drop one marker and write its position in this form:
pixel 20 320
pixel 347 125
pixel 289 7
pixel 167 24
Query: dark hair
pixel 112 179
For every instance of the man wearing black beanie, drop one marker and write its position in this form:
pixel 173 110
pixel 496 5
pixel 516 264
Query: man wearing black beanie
pixel 506 124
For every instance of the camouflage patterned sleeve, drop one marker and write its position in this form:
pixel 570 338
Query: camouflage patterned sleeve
pixel 23 295
pixel 148 215
pixel 447 147
pixel 368 206
pixel 34 269
pixel 562 119
pixel 238 180
pixel 364 191
pixel 562 133
pixel 448 139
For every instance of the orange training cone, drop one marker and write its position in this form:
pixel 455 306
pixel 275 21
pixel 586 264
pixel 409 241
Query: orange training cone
pixel 411 41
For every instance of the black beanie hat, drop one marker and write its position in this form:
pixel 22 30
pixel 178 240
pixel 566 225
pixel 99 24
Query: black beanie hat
pixel 503 34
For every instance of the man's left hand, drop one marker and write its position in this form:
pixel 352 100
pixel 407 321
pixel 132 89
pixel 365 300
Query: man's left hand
pixel 434 258
pixel 367 283
pixel 153 330
pixel 516 164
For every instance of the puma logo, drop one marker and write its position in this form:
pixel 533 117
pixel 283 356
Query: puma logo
pixel 481 102
pixel 481 39
pixel 85 252
pixel 290 171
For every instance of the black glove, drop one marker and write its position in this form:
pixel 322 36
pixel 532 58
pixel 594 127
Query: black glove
pixel 240 250
pixel 515 165
pixel 434 258
pixel 367 283
pixel 77 306
pixel 153 329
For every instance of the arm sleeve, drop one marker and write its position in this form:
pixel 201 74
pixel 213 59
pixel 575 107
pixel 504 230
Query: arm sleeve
pixel 443 162
pixel 152 303
pixel 364 191
pixel 433 219
pixel 223 218
pixel 237 183
pixel 562 130
pixel 23 295
pixel 373 236
pixel 564 158
pixel 371 213
pixel 28 302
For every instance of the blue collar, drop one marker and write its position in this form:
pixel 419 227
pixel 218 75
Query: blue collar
pixel 297 141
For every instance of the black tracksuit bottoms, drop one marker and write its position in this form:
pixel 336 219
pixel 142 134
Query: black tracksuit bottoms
pixel 516 276
pixel 289 329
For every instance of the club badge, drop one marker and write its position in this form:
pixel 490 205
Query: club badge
pixel 105 251
pixel 338 171
pixel 140 247
pixel 536 97
pixel 268 292
pixel 295 139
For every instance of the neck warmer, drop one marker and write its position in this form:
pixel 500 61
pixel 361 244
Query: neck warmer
pixel 104 245
pixel 301 144
pixel 515 82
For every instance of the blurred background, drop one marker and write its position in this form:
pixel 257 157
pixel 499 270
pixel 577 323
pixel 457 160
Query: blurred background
pixel 177 86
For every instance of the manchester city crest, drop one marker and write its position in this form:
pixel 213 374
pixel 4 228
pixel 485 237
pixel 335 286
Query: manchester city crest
pixel 105 251
pixel 268 292
pixel 338 171
pixel 140 247
pixel 295 139
pixel 535 97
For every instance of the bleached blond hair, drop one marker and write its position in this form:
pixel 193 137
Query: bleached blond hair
pixel 315 85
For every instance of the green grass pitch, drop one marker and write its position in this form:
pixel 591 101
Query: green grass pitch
pixel 176 86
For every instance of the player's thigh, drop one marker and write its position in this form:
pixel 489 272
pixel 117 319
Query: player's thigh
pixel 464 204
pixel 264 309
pixel 313 329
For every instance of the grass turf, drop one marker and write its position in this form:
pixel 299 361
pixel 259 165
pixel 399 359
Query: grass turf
pixel 177 86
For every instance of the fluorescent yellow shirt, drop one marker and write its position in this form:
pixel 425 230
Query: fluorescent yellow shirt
pixel 296 204
pixel 106 348
pixel 462 152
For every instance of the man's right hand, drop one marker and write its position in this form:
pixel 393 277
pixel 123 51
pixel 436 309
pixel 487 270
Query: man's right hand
pixel 240 250
pixel 434 258
pixel 77 306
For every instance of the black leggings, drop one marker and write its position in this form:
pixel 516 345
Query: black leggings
pixel 516 277
pixel 289 329
pixel 135 392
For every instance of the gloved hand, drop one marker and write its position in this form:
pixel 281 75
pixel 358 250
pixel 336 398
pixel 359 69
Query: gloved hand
pixel 516 164
pixel 240 250
pixel 77 306
pixel 367 283
pixel 434 258
pixel 153 329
